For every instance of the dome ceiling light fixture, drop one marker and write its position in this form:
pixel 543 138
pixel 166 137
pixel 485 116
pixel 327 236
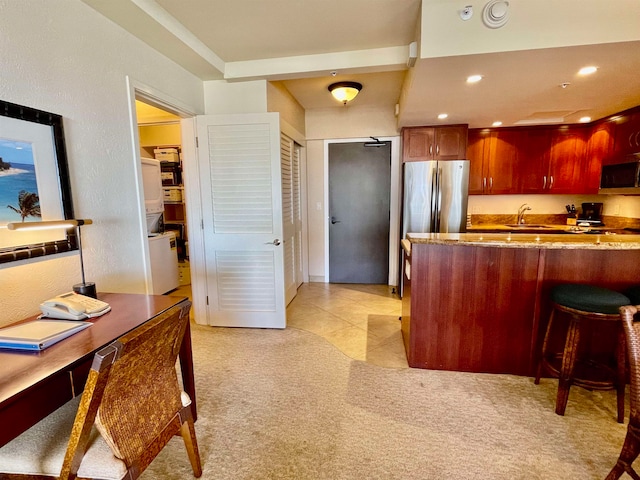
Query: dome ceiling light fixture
pixel 345 91
pixel 495 13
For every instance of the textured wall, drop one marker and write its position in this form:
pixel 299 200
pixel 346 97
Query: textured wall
pixel 63 57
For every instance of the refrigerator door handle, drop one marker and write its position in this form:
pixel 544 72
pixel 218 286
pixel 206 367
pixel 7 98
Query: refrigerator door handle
pixel 438 199
pixel 434 197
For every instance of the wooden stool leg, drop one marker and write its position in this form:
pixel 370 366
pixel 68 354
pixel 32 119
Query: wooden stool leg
pixel 569 357
pixel 545 344
pixel 621 373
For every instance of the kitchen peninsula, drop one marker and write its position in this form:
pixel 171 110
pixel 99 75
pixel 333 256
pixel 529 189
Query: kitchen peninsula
pixel 479 302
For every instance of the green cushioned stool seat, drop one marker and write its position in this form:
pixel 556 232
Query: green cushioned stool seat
pixel 590 298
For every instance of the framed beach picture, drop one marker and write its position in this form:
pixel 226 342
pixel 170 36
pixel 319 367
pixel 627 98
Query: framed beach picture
pixel 34 183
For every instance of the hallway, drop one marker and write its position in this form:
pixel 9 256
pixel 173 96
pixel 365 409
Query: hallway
pixel 362 321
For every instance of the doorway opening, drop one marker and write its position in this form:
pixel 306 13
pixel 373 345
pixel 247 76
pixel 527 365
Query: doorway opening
pixel 159 134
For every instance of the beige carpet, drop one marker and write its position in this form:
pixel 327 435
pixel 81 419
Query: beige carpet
pixel 286 404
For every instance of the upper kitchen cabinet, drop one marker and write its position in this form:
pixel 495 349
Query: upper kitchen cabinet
pixel 493 161
pixel 568 162
pixel 599 151
pixel 626 136
pixel 533 152
pixel 553 160
pixel 434 143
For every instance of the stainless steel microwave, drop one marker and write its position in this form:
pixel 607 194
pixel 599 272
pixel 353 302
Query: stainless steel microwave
pixel 621 178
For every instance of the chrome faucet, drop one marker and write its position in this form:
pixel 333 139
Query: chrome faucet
pixel 523 208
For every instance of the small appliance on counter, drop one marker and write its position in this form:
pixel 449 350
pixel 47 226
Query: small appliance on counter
pixel 591 214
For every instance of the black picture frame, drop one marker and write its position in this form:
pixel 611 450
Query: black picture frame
pixel 70 243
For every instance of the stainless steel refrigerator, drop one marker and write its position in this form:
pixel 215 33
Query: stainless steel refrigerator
pixel 435 197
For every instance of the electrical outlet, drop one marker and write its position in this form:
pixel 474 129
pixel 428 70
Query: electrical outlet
pixel 318 206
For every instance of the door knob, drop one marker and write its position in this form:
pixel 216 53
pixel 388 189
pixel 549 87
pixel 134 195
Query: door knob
pixel 333 220
pixel 276 242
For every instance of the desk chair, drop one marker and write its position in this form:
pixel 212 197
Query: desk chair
pixel 631 446
pixel 130 408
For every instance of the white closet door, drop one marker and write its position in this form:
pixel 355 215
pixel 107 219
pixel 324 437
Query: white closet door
pixel 239 160
pixel 297 213
pixel 291 215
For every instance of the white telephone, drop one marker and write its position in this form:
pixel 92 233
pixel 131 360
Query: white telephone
pixel 73 306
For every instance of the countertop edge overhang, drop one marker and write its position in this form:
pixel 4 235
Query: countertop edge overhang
pixel 525 240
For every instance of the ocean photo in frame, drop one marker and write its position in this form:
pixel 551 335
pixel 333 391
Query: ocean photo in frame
pixel 34 183
pixel 18 184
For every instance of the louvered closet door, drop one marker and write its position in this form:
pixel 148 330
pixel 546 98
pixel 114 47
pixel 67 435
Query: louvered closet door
pixel 291 216
pixel 239 161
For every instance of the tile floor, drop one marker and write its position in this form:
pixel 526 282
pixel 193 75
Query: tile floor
pixel 360 320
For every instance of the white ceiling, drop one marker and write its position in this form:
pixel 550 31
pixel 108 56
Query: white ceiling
pixel 300 42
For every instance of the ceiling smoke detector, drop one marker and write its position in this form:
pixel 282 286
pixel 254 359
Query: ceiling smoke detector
pixel 495 13
pixel 466 13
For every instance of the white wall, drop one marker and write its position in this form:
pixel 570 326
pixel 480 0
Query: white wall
pixel 221 97
pixel 280 100
pixel 63 57
pixel 531 25
pixel 614 205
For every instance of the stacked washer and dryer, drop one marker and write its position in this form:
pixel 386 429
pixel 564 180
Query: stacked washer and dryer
pixel 163 252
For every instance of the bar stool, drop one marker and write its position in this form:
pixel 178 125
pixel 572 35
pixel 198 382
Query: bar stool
pixel 584 304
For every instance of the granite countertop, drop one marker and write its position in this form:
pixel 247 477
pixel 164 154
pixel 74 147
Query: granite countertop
pixel 529 240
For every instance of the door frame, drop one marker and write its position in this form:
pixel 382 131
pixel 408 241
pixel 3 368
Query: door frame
pixel 152 96
pixel 394 204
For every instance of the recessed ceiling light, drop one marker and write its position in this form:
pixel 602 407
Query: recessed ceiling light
pixel 496 124
pixel 442 116
pixel 585 119
pixel 474 78
pixel 587 70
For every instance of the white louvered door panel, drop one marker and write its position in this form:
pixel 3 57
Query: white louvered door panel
pixel 239 160
pixel 297 214
pixel 288 216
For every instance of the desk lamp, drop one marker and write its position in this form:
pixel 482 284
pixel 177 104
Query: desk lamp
pixel 84 288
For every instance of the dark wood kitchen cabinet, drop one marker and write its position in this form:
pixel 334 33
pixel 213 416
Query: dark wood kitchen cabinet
pixel 626 136
pixel 434 143
pixel 553 160
pixel 533 153
pixel 493 161
pixel 568 162
pixel 599 150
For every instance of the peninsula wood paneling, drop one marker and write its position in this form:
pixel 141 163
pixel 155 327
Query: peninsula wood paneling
pixel 614 269
pixel 485 309
pixel 472 308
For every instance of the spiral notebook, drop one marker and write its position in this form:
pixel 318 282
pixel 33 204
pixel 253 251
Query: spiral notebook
pixel 39 334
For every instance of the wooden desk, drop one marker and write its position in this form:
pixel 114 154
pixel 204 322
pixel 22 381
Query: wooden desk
pixel 34 384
